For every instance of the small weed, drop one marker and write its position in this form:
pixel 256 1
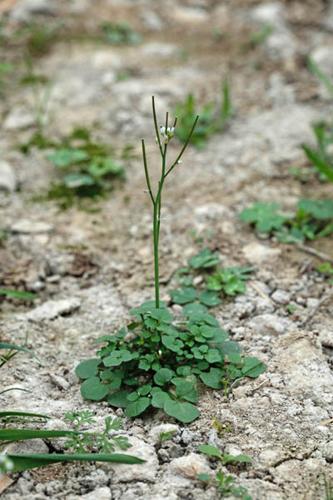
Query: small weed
pixel 313 219
pixel 322 77
pixel 321 156
pixel 106 441
pixel 221 428
pixel 326 269
pixel 120 34
pixel 212 120
pixel 259 37
pixel 38 38
pixel 83 445
pixel 9 350
pixel 216 281
pixel 5 71
pixel 167 436
pixel 291 308
pixel 87 168
pixel 159 361
pixel 225 483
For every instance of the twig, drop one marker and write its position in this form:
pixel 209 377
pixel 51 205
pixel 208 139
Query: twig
pixel 315 253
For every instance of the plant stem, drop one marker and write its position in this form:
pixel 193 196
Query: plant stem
pixel 157 199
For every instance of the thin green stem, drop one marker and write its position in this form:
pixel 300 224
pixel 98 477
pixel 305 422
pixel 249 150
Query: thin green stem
pixel 146 170
pixel 157 199
pixel 156 126
pixel 182 151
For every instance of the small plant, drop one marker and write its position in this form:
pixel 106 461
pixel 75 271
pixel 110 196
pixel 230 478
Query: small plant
pixel 166 436
pixel 38 38
pixel 322 77
pixel 158 361
pixel 216 281
pixel 326 270
pixel 225 483
pixel 87 168
pixel 261 36
pixel 120 34
pixel 101 442
pixel 212 120
pixel 321 156
pixel 9 350
pixel 79 442
pixel 5 71
pixel 313 219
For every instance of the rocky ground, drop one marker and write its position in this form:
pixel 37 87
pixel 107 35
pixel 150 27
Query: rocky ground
pixel 90 267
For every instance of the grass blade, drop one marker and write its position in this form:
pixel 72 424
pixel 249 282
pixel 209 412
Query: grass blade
pixel 13 347
pixel 316 71
pixel 24 434
pixel 321 165
pixel 17 294
pixel 31 461
pixel 13 413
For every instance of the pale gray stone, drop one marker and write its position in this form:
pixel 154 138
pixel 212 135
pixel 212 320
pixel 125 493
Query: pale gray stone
pixel 7 177
pixel 52 309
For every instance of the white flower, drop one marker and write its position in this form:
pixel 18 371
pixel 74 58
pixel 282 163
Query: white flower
pixel 167 133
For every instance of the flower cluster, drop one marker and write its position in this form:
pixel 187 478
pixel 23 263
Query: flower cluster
pixel 167 133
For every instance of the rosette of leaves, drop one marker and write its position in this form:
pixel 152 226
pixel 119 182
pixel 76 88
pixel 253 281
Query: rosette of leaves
pixel 217 281
pixel 87 168
pixel 312 219
pixel 161 363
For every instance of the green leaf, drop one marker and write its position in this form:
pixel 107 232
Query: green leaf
pixel 77 180
pixel 87 368
pixel 213 378
pixel 14 347
pixel 163 376
pixel 144 390
pixel 159 398
pixel 17 294
pixel 137 407
pixel 173 344
pixel 203 477
pixel 33 460
pixel 213 356
pixel 183 295
pixel 186 388
pixel 184 412
pixel 117 357
pixel 194 308
pixel 93 389
pixel 118 399
pixel 319 209
pixel 12 413
pixel 24 434
pixel 104 167
pixel 210 451
pixel 265 217
pixel 66 157
pixel 322 165
pixel 253 367
pixel 236 459
pixel 209 298
pixel 204 259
